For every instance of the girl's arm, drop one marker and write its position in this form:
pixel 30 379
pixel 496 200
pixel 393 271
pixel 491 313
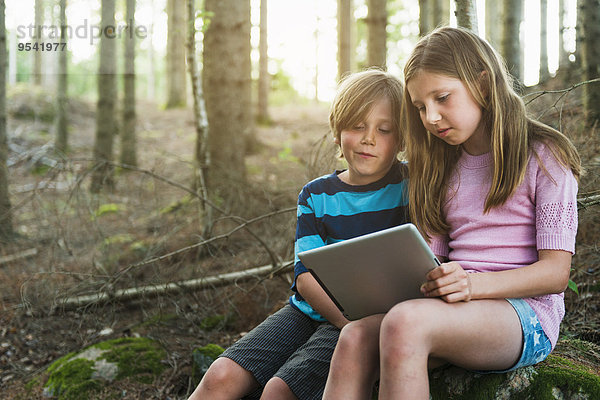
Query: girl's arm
pixel 550 274
pixel 314 294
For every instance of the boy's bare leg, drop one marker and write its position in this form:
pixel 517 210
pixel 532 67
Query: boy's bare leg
pixel 355 362
pixel 224 380
pixel 478 335
pixel 277 389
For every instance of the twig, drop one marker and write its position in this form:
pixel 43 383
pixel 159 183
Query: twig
pixel 562 91
pixel 13 257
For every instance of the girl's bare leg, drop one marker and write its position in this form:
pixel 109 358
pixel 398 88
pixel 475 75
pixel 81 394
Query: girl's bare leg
pixel 224 380
pixel 481 335
pixel 355 362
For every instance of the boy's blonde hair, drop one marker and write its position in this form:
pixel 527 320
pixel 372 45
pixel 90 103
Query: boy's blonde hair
pixel 356 94
pixel 460 54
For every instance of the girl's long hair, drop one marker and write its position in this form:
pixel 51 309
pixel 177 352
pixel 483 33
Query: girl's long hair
pixel 460 54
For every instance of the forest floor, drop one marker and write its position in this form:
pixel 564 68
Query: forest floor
pixel 73 242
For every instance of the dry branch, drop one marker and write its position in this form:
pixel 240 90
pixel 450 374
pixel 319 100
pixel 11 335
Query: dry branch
pixel 266 271
pixel 13 257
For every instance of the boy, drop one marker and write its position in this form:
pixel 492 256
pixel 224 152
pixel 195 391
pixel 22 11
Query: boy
pixel 287 356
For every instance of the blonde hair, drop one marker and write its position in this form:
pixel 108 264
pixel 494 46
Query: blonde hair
pixel 356 95
pixel 460 54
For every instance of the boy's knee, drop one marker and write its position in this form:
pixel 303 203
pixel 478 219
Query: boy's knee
pixel 221 372
pixel 277 389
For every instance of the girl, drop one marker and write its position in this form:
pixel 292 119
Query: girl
pixel 495 192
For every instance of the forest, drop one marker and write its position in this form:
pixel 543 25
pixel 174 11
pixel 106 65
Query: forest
pixel 152 152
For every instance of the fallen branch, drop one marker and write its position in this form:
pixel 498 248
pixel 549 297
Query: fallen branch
pixel 13 257
pixel 210 282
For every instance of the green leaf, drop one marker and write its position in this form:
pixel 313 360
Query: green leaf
pixel 573 287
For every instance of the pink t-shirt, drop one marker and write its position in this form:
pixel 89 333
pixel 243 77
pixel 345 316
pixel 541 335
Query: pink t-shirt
pixel 541 214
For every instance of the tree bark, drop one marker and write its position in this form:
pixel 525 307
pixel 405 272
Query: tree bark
pixel 544 73
pixel 176 74
pixel 61 122
pixel 263 68
pixel 344 37
pixel 105 110
pixel 466 15
pixel 590 57
pixel 493 22
pixel 563 54
pixel 37 55
pixel 128 135
pixel 511 44
pixel 6 226
pixel 425 17
pixel 441 12
pixel 227 90
pixel 377 34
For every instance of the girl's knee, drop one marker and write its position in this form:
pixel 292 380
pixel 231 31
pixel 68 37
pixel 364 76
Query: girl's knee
pixel 405 321
pixel 357 335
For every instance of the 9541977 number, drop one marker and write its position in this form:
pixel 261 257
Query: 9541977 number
pixel 42 46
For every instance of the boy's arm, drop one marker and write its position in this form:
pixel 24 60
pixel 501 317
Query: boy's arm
pixel 314 294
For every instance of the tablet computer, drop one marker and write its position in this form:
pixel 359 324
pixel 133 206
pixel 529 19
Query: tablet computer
pixel 369 274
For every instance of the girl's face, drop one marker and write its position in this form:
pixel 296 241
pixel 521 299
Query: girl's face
pixel 370 147
pixel 449 111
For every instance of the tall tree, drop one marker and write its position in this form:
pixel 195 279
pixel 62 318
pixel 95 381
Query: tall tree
pixel 6 226
pixel 201 154
pixel 128 135
pixel 544 72
pixel 227 90
pixel 37 55
pixel 510 47
pixel 563 54
pixel 105 110
pixel 441 12
pixel 344 14
pixel 377 33
pixel 425 16
pixel 493 22
pixel 176 73
pixel 590 57
pixel 61 123
pixel 263 66
pixel 466 14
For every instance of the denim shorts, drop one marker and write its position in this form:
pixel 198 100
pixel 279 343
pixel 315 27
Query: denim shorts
pixel 536 345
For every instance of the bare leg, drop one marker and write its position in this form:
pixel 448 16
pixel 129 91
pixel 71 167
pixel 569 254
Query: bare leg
pixel 355 362
pixel 481 334
pixel 225 379
pixel 277 389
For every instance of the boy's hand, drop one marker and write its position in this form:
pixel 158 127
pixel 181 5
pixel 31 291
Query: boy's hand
pixel 450 282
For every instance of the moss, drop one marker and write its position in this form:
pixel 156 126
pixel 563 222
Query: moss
pixel 202 358
pixel 472 386
pixel 70 378
pixel 210 350
pixel 139 358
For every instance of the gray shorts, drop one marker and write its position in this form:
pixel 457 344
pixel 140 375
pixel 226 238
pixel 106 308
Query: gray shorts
pixel 291 346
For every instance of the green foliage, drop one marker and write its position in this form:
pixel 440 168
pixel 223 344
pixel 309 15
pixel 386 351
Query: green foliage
pixel 202 358
pixel 71 379
pixel 109 208
pixel 215 322
pixel 120 238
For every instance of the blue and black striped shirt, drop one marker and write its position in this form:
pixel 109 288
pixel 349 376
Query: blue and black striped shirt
pixel 330 211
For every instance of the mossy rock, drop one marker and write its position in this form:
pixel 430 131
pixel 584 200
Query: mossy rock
pixel 571 372
pixel 202 357
pixel 26 101
pixel 77 375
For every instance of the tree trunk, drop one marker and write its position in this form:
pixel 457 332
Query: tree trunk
pixel 263 68
pixel 493 22
pixel 105 110
pixel 128 135
pixel 61 122
pixel 6 227
pixel 37 37
pixel 511 43
pixel 544 73
pixel 201 155
pixel 344 37
pixel 590 58
pixel 425 17
pixel 466 15
pixel 227 89
pixel 563 54
pixel 377 33
pixel 176 74
pixel 441 12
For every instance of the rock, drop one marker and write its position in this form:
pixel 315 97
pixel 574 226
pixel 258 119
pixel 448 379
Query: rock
pixel 75 375
pixel 202 357
pixel 571 372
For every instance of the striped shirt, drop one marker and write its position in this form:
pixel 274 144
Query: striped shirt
pixel 330 211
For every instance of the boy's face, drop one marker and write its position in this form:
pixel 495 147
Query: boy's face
pixel 370 147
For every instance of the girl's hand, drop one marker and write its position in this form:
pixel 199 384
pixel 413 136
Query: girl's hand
pixel 450 282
